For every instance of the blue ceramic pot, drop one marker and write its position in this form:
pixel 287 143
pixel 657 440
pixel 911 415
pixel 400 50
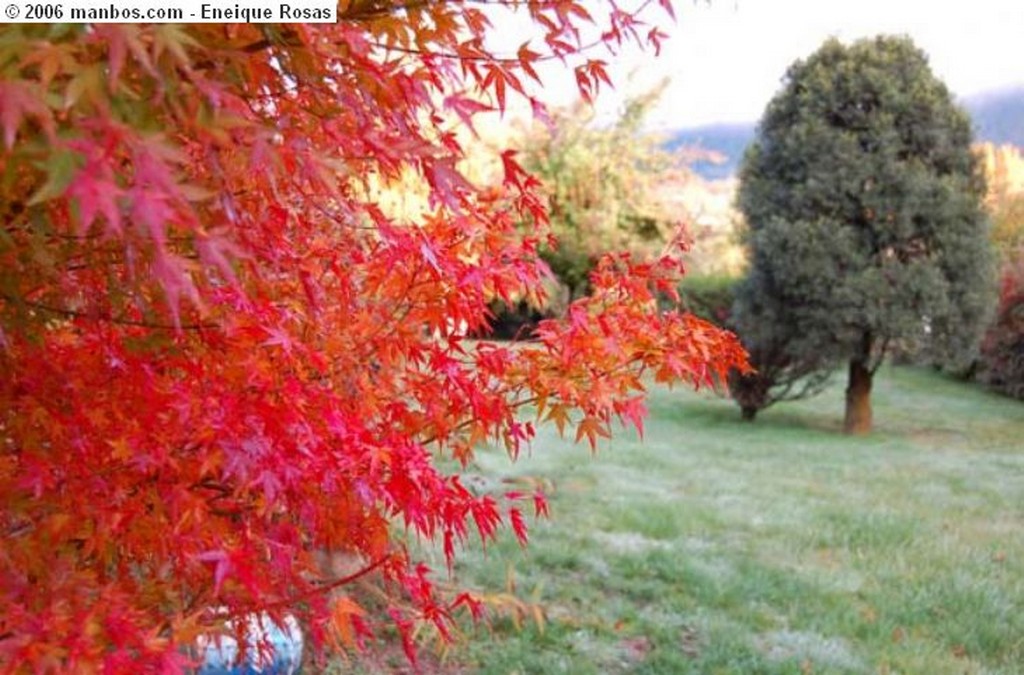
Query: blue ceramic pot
pixel 282 655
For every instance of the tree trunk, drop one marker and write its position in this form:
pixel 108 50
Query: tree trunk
pixel 858 396
pixel 750 393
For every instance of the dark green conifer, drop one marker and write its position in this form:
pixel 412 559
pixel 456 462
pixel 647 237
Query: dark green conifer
pixel 866 228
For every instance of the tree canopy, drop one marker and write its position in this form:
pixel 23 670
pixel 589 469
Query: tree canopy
pixel 864 206
pixel 606 186
pixel 222 357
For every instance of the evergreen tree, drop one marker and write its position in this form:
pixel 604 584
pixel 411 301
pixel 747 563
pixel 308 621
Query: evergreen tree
pixel 864 203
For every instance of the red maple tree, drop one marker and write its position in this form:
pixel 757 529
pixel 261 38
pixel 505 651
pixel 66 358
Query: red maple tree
pixel 221 357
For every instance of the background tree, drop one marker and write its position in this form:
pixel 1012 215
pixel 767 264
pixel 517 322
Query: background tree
pixel 709 296
pixel 1002 349
pixel 863 200
pixel 222 358
pixel 1008 223
pixel 606 186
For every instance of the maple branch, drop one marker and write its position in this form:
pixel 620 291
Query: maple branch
pixel 349 578
pixel 417 4
pixel 94 316
pixel 375 12
pixel 372 12
pixel 486 58
pixel 211 484
pixel 19 529
pixel 580 48
pixel 399 312
pixel 327 587
pixel 290 40
pixel 434 438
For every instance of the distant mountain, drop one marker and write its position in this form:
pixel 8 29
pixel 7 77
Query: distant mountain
pixel 998 116
pixel 716 150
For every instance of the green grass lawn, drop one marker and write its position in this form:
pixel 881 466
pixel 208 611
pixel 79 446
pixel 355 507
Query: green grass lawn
pixel 717 546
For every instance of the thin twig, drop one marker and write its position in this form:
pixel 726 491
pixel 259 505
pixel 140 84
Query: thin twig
pixel 94 316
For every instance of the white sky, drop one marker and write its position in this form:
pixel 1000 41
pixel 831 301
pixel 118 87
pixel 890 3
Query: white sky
pixel 726 58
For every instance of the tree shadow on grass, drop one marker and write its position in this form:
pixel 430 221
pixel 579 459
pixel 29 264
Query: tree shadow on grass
pixel 723 413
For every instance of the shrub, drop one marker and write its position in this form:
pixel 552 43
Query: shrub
pixel 1002 350
pixel 709 296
